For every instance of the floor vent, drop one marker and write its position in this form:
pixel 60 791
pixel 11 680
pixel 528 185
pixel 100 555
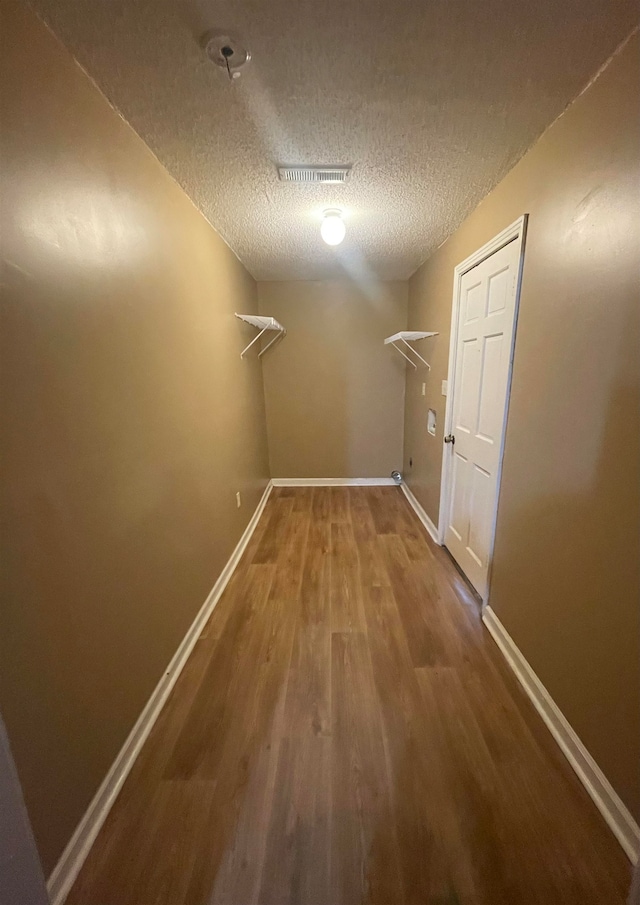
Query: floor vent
pixel 314 174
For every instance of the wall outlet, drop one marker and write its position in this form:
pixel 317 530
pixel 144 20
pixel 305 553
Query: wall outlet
pixel 424 389
pixel 238 500
pixel 445 387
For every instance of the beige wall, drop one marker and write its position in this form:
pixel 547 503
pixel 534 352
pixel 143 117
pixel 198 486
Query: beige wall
pixel 565 578
pixel 334 392
pixel 133 423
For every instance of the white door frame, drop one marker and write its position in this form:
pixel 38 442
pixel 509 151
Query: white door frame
pixel 517 230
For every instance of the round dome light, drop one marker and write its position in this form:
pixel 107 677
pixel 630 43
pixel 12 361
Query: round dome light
pixel 333 229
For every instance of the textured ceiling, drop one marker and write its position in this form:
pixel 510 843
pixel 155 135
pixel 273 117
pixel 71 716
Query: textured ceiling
pixel 432 101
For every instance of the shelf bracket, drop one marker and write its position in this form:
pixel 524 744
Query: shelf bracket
pixel 398 349
pixel 254 340
pixel 415 352
pixel 262 324
pixel 406 337
pixel 269 344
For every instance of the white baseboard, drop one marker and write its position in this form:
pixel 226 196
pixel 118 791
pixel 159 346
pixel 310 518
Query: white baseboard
pixel 332 482
pixel 422 515
pixel 605 797
pixel 73 857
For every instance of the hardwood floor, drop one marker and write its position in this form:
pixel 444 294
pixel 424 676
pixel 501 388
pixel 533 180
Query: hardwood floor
pixel 347 733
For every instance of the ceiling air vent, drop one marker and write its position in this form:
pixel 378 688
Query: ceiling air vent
pixel 314 174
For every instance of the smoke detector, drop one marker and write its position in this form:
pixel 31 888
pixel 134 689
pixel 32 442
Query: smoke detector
pixel 226 51
pixel 314 174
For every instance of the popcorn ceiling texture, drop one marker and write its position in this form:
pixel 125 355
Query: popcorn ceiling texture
pixel 432 102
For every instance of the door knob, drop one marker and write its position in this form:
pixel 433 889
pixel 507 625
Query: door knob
pixel 449 438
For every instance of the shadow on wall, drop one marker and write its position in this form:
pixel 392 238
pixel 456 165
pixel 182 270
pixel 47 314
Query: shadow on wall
pixel 423 450
pixel 21 878
pixel 372 372
pixel 572 609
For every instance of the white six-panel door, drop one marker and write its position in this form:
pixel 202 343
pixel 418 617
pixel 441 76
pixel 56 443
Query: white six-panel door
pixel 486 323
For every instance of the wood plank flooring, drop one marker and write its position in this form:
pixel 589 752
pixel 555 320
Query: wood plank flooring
pixel 347 733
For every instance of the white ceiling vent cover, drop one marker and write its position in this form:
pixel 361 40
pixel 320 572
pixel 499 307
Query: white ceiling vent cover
pixel 314 174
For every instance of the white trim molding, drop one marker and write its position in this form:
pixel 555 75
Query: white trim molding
pixel 332 482
pixel 78 847
pixel 604 796
pixel 422 515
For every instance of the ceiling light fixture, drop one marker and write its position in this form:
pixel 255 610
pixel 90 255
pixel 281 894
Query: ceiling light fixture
pixel 333 229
